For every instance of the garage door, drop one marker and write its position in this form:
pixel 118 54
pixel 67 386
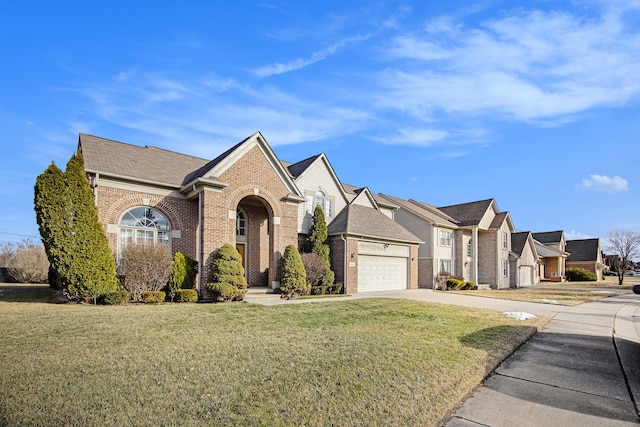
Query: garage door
pixel 526 276
pixel 380 273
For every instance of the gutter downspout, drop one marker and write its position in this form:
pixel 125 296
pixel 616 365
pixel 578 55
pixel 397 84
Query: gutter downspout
pixel 474 259
pixel 345 263
pixel 199 241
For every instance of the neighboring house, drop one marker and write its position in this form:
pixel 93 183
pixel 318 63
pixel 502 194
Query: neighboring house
pixel 524 265
pixel 486 232
pixel 247 197
pixel 586 253
pixel 369 251
pixel 438 231
pixel 551 247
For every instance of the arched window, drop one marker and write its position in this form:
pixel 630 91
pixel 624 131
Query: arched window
pixel 241 223
pixel 319 198
pixel 143 225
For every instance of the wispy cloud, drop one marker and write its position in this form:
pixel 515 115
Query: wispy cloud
pixel 604 183
pixel 299 63
pixel 529 66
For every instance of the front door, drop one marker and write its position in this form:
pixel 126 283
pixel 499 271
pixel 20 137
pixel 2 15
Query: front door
pixel 241 249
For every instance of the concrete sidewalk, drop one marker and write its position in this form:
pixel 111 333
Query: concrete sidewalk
pixel 583 369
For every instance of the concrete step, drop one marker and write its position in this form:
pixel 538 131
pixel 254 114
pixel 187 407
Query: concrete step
pixel 484 287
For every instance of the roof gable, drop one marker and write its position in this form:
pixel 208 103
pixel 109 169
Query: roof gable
pixel 422 210
pixel 470 213
pixel 365 198
pixel 499 219
pixel 223 162
pixel 520 240
pixel 306 166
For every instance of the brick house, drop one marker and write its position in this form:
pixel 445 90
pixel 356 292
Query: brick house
pixel 246 196
pixel 586 253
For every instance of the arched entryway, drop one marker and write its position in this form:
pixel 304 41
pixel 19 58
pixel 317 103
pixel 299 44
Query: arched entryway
pixel 254 239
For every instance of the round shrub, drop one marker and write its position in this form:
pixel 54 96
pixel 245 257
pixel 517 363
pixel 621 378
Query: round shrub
pixel 153 297
pixel 186 295
pixel 226 277
pixel 580 275
pixel 114 298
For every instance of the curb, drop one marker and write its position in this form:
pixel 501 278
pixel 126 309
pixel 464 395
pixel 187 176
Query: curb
pixel 627 342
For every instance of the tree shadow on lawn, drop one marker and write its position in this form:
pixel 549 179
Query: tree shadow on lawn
pixel 11 292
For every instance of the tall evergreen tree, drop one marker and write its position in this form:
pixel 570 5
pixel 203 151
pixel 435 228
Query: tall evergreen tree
pixel 317 243
pixel 93 268
pixel 51 202
pixel 73 237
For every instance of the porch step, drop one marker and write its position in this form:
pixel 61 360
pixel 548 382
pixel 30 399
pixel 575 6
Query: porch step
pixel 484 287
pixel 259 290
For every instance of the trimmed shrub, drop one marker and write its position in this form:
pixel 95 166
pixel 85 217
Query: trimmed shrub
pixel 153 297
pixel 454 284
pixel 291 274
pixel 226 277
pixel 336 288
pixel 316 268
pixel 223 291
pixel 145 267
pixel 183 273
pixel 441 281
pixel 580 275
pixel 114 298
pixel 186 295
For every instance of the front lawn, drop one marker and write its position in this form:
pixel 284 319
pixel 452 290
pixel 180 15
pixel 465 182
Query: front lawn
pixel 353 362
pixel 546 296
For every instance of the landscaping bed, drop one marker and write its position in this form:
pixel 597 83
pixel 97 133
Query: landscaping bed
pixel 353 362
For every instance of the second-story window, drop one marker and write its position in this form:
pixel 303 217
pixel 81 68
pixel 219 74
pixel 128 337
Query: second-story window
pixel 319 198
pixel 445 238
pixel 505 244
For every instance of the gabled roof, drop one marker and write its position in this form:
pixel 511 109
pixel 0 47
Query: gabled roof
pixel 423 210
pixel 548 236
pixel 583 250
pixel 499 219
pixel 364 195
pixel 144 164
pixel 295 169
pixel 361 221
pixel 468 213
pixel 518 241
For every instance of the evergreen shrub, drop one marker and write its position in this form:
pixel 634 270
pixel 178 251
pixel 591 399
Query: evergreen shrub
pixel 580 275
pixel 153 297
pixel 291 274
pixel 226 277
pixel 186 295
pixel 114 298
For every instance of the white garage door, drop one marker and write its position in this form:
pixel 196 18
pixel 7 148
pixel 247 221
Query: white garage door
pixel 380 273
pixel 526 276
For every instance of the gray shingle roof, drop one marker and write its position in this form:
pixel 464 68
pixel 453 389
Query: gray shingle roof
pixel 431 213
pixel 548 236
pixel 583 250
pixel 362 221
pixel 468 213
pixel 143 163
pixel 296 169
pixel 518 241
pixel 497 220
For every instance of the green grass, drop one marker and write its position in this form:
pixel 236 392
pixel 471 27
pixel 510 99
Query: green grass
pixel 352 362
pixel 567 297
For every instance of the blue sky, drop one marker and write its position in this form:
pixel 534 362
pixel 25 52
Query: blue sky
pixel 533 103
